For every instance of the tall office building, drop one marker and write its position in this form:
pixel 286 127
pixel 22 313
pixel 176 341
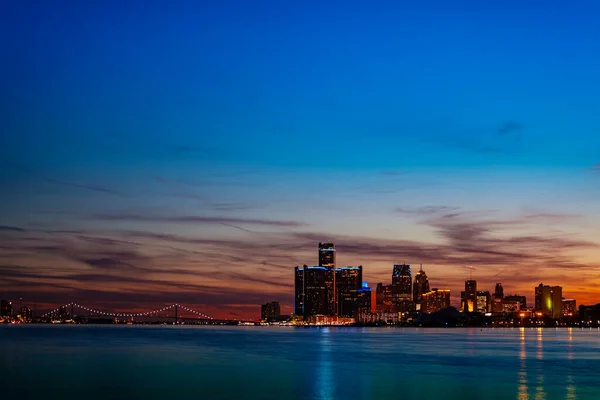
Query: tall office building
pixel 270 310
pixel 383 298
pixel 402 288
pixel 435 300
pixel 326 255
pixel 497 300
pixel 364 299
pixel 327 259
pixel 548 300
pixel 469 299
pixel 348 280
pixel 499 292
pixel 299 291
pixel 483 302
pixel 316 291
pixel 420 287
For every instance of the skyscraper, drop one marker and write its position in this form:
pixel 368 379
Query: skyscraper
pixel 402 288
pixel 364 299
pixel 327 260
pixel 383 298
pixel 299 291
pixel 435 300
pixel 326 255
pixel 470 296
pixel 499 292
pixel 548 300
pixel 348 280
pixel 497 301
pixel 420 287
pixel 316 291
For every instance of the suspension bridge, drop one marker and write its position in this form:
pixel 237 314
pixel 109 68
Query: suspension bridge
pixel 178 312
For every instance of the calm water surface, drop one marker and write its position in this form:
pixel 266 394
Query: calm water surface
pixel 120 362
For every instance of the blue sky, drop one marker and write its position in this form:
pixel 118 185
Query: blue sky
pixel 329 116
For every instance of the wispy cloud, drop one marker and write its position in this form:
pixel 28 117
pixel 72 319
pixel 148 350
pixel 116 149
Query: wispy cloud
pixel 11 228
pixel 195 219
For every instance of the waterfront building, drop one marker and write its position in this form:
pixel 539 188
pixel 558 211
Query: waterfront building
pixel 511 305
pixel 483 302
pixel 420 287
pixel 327 259
pixel 364 296
pixel 5 308
pixel 469 297
pixel 548 300
pixel 497 306
pixel 318 292
pixel 569 307
pixel 383 298
pixel 402 288
pixel 270 310
pixel 348 281
pixel 299 291
pixel 435 300
pixel 521 299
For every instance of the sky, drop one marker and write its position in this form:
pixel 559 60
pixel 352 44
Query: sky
pixel 195 152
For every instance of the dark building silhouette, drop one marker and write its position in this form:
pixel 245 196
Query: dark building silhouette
pixel 270 310
pixel 383 298
pixel 318 292
pixel 348 281
pixel 327 259
pixel 498 299
pixel 589 314
pixel 299 291
pixel 420 287
pixel 499 292
pixel 5 308
pixel 402 288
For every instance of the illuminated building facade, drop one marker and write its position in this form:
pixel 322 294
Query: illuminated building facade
pixel 348 281
pixel 435 300
pixel 511 305
pixel 383 298
pixel 364 296
pixel 521 299
pixel 469 296
pixel 548 300
pixel 299 291
pixel 483 302
pixel 327 259
pixel 402 288
pixel 270 310
pixel 569 307
pixel 420 287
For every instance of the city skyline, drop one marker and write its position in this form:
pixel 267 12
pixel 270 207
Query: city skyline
pixel 195 153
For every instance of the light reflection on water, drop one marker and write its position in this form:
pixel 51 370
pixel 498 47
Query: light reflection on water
pixel 287 363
